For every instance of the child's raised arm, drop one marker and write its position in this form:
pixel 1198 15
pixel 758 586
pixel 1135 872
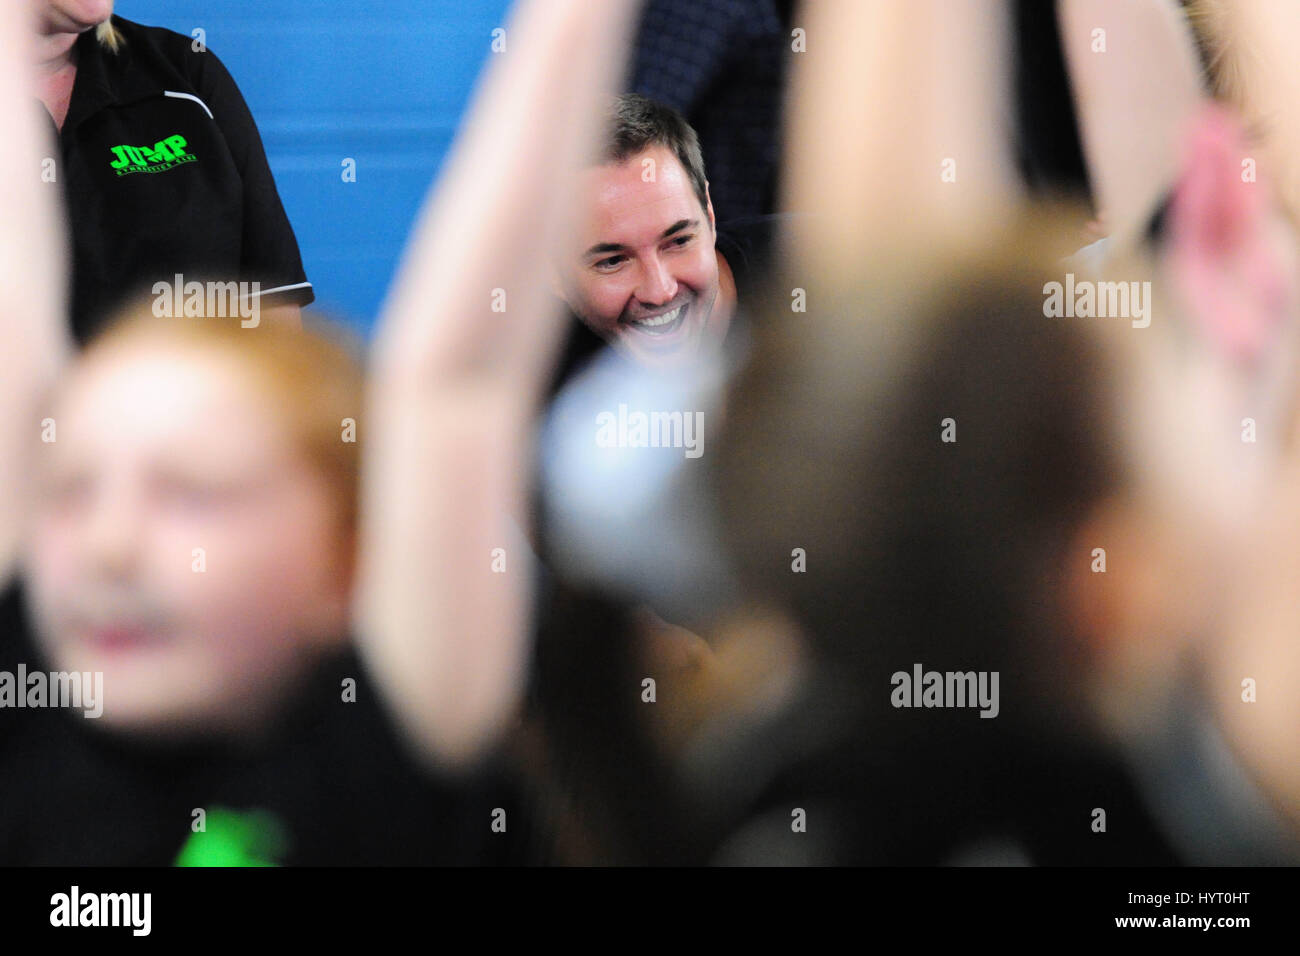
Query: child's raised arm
pixel 898 135
pixel 33 336
pixel 464 345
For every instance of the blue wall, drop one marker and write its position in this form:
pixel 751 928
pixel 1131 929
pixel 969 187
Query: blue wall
pixel 383 82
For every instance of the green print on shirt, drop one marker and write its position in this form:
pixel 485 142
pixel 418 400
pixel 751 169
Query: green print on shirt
pixel 163 155
pixel 232 838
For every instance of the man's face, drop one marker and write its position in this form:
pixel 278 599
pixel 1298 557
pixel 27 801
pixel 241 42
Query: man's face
pixel 161 451
pixel 645 273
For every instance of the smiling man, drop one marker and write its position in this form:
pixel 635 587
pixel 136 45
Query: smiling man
pixel 651 273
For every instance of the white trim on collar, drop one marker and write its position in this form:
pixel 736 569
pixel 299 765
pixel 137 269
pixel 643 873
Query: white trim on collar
pixel 190 96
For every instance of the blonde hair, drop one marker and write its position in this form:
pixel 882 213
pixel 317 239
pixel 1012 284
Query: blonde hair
pixel 109 36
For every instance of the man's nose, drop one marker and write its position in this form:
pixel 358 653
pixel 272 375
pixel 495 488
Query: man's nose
pixel 657 286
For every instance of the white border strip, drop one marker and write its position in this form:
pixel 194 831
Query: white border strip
pixel 190 96
pixel 279 288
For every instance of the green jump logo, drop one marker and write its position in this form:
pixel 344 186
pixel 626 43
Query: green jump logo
pixel 163 155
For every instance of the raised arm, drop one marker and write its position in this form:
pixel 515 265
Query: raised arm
pixel 33 336
pixel 465 341
pixel 1136 86
pixel 898 132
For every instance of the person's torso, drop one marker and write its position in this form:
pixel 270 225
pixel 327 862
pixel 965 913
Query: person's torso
pixel 151 186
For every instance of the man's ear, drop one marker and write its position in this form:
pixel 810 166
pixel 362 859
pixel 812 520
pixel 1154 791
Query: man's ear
pixel 1222 241
pixel 708 208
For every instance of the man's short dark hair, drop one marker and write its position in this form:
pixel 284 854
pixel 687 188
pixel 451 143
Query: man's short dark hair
pixel 637 122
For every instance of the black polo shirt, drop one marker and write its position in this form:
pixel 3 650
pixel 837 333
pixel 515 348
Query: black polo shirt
pixel 164 174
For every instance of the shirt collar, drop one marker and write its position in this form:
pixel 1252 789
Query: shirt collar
pixel 106 79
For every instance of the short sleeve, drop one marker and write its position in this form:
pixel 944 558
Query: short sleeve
pixel 269 251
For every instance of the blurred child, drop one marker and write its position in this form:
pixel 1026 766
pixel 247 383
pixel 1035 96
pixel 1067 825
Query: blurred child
pixel 195 508
pixel 192 540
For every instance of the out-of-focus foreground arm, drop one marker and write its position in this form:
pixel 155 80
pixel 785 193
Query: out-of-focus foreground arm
pixel 466 339
pixel 34 340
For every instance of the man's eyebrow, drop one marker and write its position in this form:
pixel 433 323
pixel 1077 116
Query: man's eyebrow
pixel 679 225
pixel 601 248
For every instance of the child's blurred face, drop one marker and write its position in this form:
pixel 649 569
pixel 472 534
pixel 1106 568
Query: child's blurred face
pixel 181 544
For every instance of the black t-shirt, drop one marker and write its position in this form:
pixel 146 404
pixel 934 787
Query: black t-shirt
pixel 331 785
pixel 888 787
pixel 164 174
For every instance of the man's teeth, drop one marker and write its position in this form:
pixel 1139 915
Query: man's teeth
pixel 659 320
